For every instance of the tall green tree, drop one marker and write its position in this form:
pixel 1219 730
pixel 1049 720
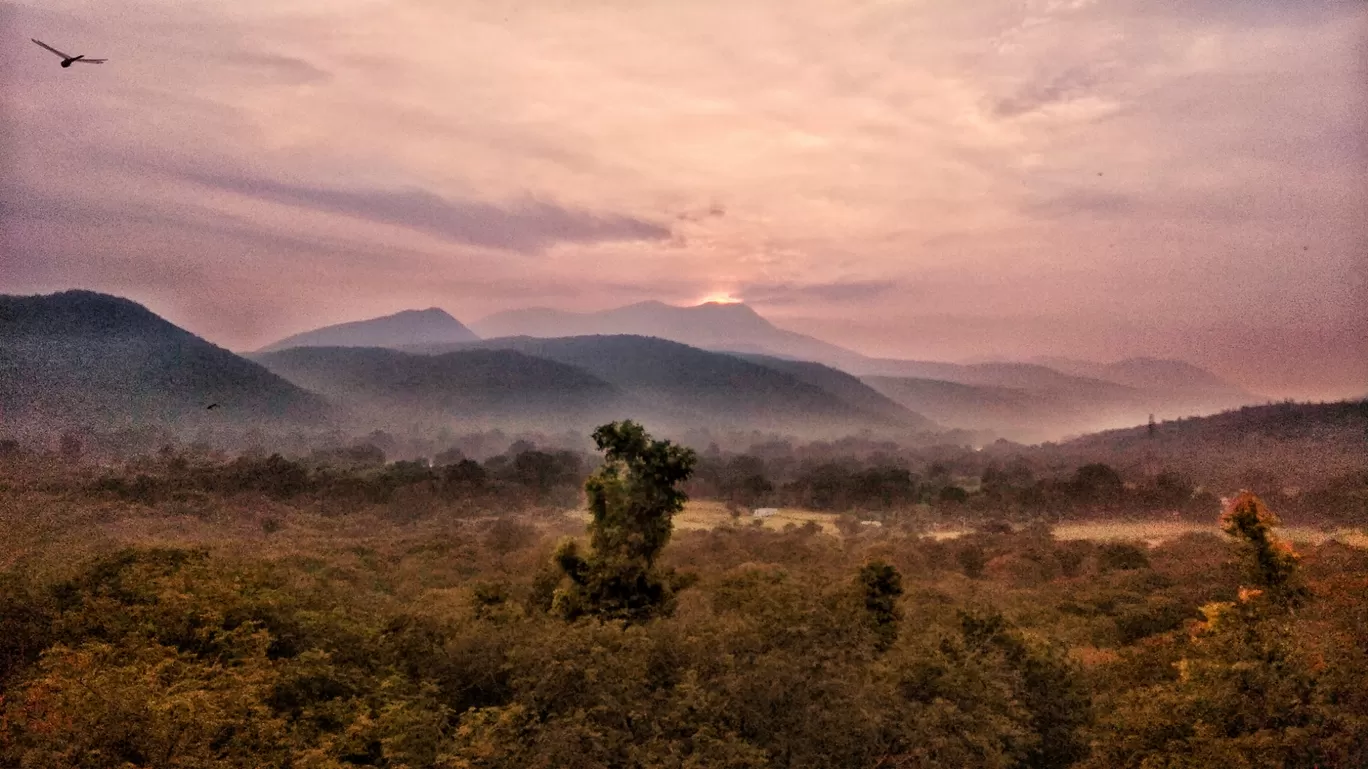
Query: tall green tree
pixel 632 499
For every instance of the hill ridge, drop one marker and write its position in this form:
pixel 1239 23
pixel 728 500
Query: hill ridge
pixel 716 326
pixel 406 327
pixel 691 383
pixel 85 358
pixel 471 385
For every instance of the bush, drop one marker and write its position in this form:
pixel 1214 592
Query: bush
pixel 1121 556
pixel 972 559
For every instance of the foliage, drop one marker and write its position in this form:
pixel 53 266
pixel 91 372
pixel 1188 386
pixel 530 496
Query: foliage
pixel 1253 688
pixel 632 500
pixel 135 635
pixel 882 585
pixel 1271 562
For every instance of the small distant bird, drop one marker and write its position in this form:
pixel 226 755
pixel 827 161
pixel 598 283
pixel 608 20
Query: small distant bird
pixel 68 59
pixel 211 407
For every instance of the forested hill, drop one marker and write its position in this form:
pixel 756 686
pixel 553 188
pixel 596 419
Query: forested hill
pixel 502 388
pixel 694 387
pixel 430 326
pixel 1267 448
pixel 80 358
pixel 1337 422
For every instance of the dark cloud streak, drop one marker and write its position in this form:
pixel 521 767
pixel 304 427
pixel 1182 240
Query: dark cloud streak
pixel 527 227
pixel 278 68
pixel 1042 92
pixel 836 291
pixel 77 213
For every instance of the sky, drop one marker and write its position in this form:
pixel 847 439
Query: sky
pixel 932 179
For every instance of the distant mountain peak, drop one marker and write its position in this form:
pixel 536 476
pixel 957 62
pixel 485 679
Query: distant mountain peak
pixel 716 325
pixel 401 329
pixel 730 308
pixel 1149 372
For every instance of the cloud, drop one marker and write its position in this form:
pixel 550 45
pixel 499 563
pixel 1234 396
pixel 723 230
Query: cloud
pixel 277 68
pixel 1246 13
pixel 344 157
pixel 714 211
pixel 836 291
pixel 530 226
pixel 1082 201
pixel 46 211
pixel 1050 89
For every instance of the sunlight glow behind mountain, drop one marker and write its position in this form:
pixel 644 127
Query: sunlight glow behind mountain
pixel 720 297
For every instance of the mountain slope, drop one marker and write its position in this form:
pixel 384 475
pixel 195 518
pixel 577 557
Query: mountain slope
pixel 1018 414
pixel 80 358
pixel 710 326
pixel 1022 376
pixel 1061 402
pixel 1155 374
pixel 1273 448
pixel 410 327
pixel 499 387
pixel 1314 423
pixel 685 386
pixel 846 387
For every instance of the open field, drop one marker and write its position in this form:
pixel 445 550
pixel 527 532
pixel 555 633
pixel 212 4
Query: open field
pixel 704 515
pixel 1157 532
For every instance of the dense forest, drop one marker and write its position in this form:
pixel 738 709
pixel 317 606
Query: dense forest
pixel 1307 460
pixel 340 609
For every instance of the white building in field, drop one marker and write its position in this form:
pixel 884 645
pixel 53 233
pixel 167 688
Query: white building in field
pixel 765 512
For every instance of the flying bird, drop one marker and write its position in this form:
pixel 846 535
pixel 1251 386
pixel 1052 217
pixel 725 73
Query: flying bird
pixel 68 59
pixel 211 407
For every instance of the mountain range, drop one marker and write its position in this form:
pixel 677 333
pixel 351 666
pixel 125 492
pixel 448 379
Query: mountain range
pixel 1025 400
pixel 714 365
pixel 1029 402
pixel 1157 374
pixel 1127 390
pixel 86 359
pixel 686 386
pixel 1019 415
pixel 477 388
pixel 732 327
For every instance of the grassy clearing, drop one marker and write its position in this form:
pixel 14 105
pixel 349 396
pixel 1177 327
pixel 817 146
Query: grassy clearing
pixel 1157 532
pixel 711 515
pixel 702 516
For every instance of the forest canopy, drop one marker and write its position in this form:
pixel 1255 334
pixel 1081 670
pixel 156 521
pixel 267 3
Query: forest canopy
pixel 274 612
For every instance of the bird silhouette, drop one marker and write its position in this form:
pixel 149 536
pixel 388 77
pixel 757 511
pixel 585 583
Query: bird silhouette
pixel 211 407
pixel 68 59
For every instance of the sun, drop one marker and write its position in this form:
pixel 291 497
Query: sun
pixel 720 297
